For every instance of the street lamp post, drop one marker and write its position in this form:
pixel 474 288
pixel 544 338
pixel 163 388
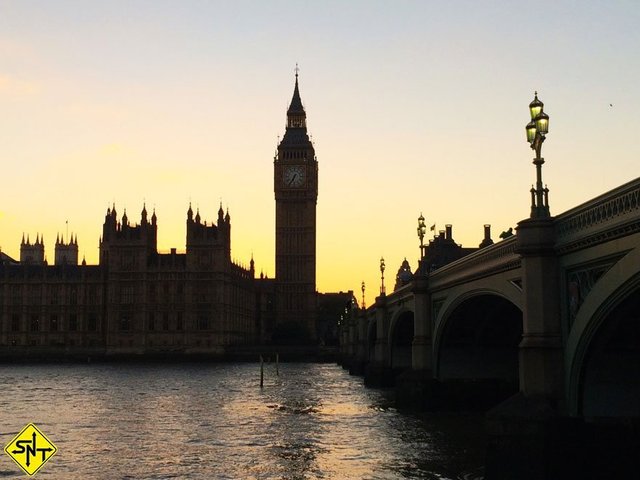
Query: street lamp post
pixel 382 267
pixel 422 230
pixel 537 130
pixel 364 307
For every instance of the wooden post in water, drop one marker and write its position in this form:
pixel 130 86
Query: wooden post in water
pixel 261 372
pixel 277 365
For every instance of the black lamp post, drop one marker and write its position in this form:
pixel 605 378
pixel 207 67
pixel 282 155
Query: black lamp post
pixel 382 267
pixel 537 130
pixel 422 230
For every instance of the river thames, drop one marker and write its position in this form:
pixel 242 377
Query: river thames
pixel 213 421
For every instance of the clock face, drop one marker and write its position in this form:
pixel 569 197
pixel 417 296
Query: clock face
pixel 294 176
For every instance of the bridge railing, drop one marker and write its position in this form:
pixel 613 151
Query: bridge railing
pixel 402 292
pixel 603 218
pixel 498 257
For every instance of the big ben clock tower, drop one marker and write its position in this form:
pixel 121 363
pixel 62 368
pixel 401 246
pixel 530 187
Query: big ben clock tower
pixel 296 191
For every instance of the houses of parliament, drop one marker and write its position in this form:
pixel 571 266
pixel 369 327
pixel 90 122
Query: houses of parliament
pixel 139 301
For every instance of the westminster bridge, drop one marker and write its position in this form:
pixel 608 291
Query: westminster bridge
pixel 548 319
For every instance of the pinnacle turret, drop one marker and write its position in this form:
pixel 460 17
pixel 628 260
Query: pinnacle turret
pixel 296 102
pixel 296 132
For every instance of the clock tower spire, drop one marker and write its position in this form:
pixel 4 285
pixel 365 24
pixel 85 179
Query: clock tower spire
pixel 296 194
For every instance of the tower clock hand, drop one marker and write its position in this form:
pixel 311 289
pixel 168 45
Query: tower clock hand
pixel 293 179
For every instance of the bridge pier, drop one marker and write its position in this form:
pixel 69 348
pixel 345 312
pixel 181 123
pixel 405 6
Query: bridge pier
pixel 379 373
pixel 417 389
pixel 528 434
pixel 571 286
pixel 358 361
pixel 422 348
pixel 528 440
pixel 541 361
pixel 347 345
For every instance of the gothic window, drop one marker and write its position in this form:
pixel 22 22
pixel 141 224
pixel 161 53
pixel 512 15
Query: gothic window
pixel 35 294
pixel 202 293
pixel 15 323
pixel 125 324
pixel 92 294
pixel 16 294
pixel 92 322
pixel 203 322
pixel 53 323
pixel 73 295
pixel 54 292
pixel 165 321
pixel 179 322
pixel 35 323
pixel 73 322
pixel 152 322
pixel 126 294
pixel 127 261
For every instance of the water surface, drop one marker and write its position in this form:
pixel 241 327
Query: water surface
pixel 213 421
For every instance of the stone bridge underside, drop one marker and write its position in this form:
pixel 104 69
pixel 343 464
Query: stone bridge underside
pixel 554 309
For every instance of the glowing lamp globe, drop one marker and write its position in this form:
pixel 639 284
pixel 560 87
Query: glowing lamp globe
pixel 542 123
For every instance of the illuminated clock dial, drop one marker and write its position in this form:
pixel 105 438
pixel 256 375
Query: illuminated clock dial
pixel 294 176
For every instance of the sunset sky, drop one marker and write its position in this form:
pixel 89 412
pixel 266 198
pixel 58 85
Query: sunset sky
pixel 414 106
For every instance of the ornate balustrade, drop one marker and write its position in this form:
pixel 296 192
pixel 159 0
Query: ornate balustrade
pixel 611 215
pixel 486 261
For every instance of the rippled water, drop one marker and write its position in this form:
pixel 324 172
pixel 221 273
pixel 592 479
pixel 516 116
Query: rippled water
pixel 314 421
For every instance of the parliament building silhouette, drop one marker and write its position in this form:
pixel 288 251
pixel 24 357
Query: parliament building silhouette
pixel 139 301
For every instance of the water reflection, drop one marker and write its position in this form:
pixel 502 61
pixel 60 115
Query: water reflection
pixel 213 421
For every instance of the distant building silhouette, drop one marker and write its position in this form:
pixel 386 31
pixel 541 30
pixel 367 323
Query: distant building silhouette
pixel 138 300
pixel 404 275
pixel 6 259
pixel 442 249
pixel 486 241
pixel 32 253
pixel 296 193
pixel 66 253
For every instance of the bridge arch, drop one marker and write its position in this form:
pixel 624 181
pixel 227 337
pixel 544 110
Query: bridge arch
pixel 477 336
pixel 401 330
pixel 603 346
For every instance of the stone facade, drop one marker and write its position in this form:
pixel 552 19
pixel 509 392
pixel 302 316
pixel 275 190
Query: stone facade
pixel 137 300
pixel 296 194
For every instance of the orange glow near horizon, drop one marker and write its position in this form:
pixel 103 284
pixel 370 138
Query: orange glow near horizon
pixel 419 107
